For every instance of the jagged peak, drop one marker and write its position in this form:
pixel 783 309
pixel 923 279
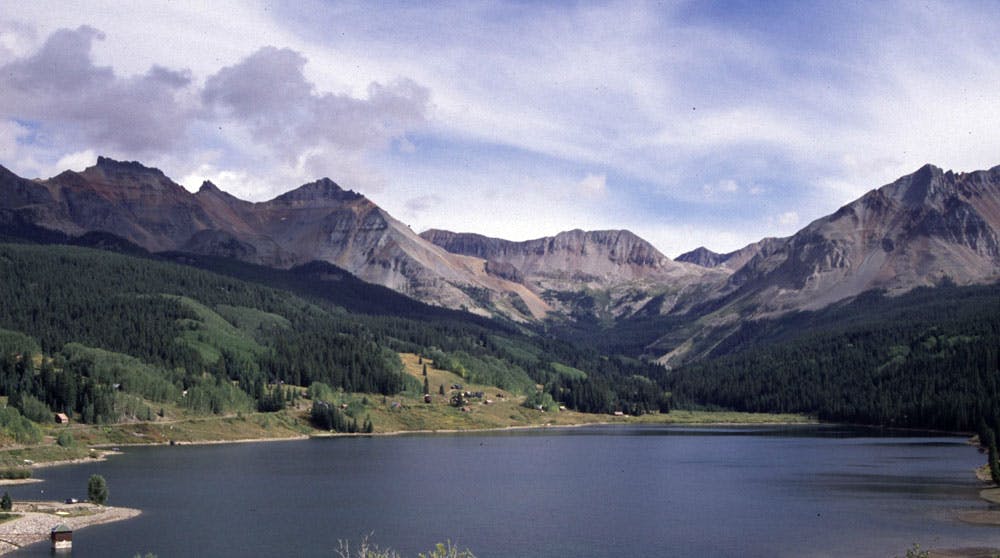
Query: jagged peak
pixel 922 186
pixel 109 165
pixel 322 189
pixel 703 257
pixel 207 187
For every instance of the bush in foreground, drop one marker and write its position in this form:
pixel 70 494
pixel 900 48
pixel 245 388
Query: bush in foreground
pixel 367 549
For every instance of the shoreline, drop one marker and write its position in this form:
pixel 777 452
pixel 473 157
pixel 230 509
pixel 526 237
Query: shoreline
pixel 38 518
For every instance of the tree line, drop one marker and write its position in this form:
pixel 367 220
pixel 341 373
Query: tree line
pixel 927 359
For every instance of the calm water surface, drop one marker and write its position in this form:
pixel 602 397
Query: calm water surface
pixel 583 492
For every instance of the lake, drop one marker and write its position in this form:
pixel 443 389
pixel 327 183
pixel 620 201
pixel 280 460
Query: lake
pixel 795 491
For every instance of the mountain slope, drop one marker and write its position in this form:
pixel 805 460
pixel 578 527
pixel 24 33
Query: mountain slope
pixel 925 229
pixel 733 260
pixel 318 221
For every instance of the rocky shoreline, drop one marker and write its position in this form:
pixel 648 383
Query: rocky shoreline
pixel 36 520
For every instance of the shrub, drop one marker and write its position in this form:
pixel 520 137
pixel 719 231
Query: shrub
pixel 65 439
pixel 447 551
pixel 541 399
pixel 15 473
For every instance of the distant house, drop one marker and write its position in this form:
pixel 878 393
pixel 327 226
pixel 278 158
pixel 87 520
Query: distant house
pixel 62 537
pixel 61 418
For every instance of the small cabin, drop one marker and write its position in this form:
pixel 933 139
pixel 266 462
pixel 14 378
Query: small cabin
pixel 61 418
pixel 62 537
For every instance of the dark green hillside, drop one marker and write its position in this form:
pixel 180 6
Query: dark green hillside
pixel 112 319
pixel 929 358
pixel 121 333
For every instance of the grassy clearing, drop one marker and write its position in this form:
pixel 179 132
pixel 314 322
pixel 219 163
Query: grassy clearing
pixel 21 457
pixel 210 334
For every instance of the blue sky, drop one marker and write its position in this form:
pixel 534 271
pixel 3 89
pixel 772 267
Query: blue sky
pixel 689 123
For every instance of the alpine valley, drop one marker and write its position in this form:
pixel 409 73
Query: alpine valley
pixel 887 311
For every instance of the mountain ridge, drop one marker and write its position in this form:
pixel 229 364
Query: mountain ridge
pixel 922 229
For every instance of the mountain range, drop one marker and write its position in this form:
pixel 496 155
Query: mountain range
pixel 928 228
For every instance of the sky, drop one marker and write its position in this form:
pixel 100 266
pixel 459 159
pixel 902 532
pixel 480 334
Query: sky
pixel 689 123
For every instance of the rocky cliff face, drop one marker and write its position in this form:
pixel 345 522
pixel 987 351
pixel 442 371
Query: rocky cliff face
pixel 600 257
pixel 623 270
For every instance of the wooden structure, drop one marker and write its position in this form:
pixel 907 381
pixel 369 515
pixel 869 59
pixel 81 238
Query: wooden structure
pixel 61 418
pixel 62 537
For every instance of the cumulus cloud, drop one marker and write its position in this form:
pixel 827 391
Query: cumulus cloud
pixel 259 116
pixel 78 103
pixel 16 38
pixel 269 93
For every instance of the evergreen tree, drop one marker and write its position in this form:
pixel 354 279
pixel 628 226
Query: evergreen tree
pixel 994 460
pixel 425 370
pixel 427 387
pixel 97 490
pixel 440 389
pixel 6 504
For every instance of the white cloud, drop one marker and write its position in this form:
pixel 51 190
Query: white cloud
pixel 725 186
pixel 16 40
pixel 593 185
pixel 77 161
pixel 10 135
pixel 268 93
pixel 788 219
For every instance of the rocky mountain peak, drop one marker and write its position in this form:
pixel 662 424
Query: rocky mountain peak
pixel 322 190
pixel 923 186
pixel 112 168
pixel 702 256
pixel 207 187
pixel 109 175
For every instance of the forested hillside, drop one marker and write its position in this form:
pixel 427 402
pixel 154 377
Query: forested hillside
pixel 930 358
pixel 105 337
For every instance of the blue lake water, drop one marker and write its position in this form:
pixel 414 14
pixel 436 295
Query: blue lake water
pixel 803 491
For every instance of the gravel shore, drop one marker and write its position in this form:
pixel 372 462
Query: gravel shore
pixel 38 518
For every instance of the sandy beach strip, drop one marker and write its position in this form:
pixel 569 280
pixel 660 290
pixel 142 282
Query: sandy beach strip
pixel 38 518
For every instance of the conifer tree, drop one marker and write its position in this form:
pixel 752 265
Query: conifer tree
pixel 994 460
